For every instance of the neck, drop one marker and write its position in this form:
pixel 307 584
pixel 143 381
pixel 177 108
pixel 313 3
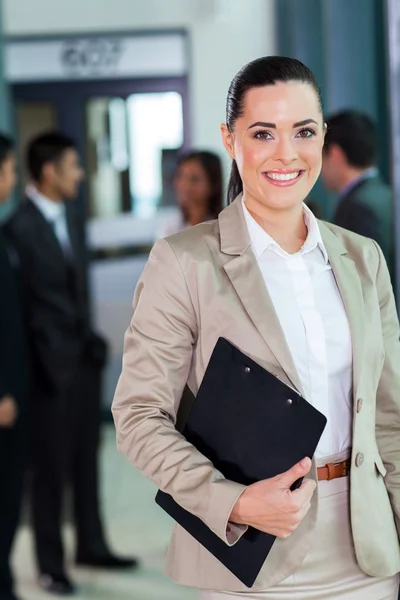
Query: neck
pixel 195 215
pixel 348 176
pixel 49 192
pixel 286 227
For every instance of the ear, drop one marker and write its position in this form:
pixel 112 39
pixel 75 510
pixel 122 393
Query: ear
pixel 48 172
pixel 337 154
pixel 227 140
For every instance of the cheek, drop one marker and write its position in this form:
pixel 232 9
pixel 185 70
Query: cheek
pixel 71 184
pixel 312 155
pixel 74 176
pixel 203 190
pixel 252 156
pixel 11 178
pixel 198 186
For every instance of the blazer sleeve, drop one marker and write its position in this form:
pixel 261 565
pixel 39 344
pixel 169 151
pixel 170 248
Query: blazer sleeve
pixel 157 358
pixel 388 393
pixel 13 367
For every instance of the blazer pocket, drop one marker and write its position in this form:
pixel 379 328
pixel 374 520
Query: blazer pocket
pixel 379 465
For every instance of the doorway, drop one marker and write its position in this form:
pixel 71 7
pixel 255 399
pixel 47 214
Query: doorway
pixel 128 133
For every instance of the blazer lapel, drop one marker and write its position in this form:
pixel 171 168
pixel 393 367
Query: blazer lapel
pixel 246 278
pixel 45 233
pixel 350 288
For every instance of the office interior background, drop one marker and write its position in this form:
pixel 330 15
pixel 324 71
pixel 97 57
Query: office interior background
pixel 135 82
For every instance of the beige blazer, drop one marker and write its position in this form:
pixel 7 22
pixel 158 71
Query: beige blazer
pixel 204 283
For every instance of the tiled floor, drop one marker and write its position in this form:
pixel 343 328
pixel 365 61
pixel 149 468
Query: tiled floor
pixel 135 525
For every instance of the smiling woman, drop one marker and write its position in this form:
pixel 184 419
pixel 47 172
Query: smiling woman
pixel 276 161
pixel 311 303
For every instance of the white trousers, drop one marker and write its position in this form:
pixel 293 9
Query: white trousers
pixel 330 570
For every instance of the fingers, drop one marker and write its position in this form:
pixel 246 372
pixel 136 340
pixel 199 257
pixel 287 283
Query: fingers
pixel 296 472
pixel 293 523
pixel 305 492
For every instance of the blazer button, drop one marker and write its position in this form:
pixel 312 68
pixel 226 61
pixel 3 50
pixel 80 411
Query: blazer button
pixel 247 370
pixel 289 401
pixel 359 459
pixel 359 404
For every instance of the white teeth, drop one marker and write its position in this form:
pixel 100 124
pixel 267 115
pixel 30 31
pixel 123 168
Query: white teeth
pixel 283 176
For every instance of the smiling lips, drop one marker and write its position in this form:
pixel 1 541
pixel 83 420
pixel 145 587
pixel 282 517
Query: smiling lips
pixel 283 178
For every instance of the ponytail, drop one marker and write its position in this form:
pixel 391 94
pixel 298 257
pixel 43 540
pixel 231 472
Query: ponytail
pixel 235 185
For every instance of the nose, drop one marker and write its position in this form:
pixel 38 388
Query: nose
pixel 286 151
pixel 184 186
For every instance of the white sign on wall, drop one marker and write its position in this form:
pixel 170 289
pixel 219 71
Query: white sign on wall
pixel 97 57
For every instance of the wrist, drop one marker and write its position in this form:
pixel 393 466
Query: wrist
pixel 239 510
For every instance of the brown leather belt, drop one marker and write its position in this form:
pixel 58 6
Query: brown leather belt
pixel 333 470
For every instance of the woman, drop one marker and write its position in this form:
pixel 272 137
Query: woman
pixel 313 304
pixel 198 189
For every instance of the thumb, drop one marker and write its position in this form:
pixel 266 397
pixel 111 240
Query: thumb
pixel 298 470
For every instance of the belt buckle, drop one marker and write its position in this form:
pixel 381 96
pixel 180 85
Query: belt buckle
pixel 346 468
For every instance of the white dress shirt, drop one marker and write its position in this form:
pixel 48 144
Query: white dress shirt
pixel 310 309
pixel 55 214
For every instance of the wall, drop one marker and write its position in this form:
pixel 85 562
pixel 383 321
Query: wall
pixel 224 35
pixel 4 99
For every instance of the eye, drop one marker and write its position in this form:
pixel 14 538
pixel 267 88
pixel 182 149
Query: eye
pixel 262 135
pixel 306 133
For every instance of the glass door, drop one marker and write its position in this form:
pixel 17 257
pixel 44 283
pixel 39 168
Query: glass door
pixel 131 148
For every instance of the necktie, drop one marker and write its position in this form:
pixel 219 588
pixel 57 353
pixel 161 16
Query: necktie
pixel 61 232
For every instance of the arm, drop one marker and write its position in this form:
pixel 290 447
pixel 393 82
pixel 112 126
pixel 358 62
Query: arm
pixel 388 394
pixel 157 358
pixel 11 339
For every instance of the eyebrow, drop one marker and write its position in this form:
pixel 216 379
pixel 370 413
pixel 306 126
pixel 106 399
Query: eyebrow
pixel 273 125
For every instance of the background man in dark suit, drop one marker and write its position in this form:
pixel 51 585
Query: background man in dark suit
pixel 66 357
pixel 13 385
pixel 349 168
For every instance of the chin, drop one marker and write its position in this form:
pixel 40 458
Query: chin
pixel 288 205
pixel 283 202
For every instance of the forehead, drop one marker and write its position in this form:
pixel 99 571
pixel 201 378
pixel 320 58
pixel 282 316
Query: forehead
pixel 191 166
pixel 281 103
pixel 9 158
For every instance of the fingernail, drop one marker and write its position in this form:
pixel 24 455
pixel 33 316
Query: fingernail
pixel 305 462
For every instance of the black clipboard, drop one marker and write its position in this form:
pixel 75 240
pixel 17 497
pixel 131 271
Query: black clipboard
pixel 251 426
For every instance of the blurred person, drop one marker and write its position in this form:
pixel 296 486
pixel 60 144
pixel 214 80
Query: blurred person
pixel 349 169
pixel 198 188
pixel 313 304
pixel 14 378
pixel 66 358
